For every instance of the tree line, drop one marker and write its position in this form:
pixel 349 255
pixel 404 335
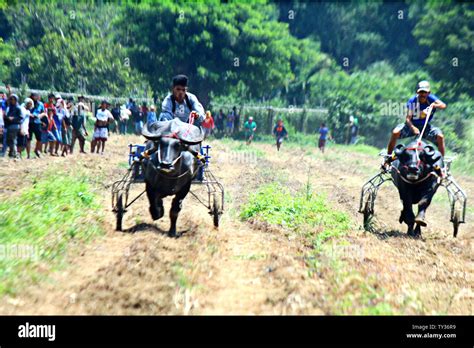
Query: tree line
pixel 353 58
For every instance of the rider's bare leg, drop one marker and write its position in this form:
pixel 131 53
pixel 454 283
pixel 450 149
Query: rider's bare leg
pixel 393 141
pixel 440 141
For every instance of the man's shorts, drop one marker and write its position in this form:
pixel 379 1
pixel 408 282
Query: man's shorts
pixel 101 134
pixel 431 133
pixel 322 143
pixel 21 140
pixel 78 134
pixel 47 137
pixel 34 130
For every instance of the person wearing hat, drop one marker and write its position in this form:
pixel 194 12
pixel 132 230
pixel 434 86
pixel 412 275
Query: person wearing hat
pixel 417 108
pixel 13 119
pixel 250 127
pixel 181 104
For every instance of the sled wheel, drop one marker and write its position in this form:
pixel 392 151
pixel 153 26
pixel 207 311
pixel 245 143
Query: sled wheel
pixel 119 212
pixel 216 209
pixel 456 223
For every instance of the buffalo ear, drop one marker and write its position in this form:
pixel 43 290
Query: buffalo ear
pixel 399 149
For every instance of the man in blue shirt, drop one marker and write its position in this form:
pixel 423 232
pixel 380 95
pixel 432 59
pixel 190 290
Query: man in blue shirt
pixel 151 115
pixel 180 103
pixel 35 122
pixel 323 136
pixel 416 118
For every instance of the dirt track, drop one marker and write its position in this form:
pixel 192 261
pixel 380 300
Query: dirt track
pixel 251 268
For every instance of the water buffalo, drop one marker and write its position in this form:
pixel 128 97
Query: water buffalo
pixel 415 172
pixel 172 164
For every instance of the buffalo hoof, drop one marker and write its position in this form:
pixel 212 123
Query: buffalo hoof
pixel 172 234
pixel 420 219
pixel 414 232
pixel 157 212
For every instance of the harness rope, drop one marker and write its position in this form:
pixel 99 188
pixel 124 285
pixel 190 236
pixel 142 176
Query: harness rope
pixel 419 142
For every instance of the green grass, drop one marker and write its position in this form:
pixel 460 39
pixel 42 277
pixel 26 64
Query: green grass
pixel 276 205
pixel 44 219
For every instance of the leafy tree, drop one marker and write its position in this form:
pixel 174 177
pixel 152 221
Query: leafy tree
pixel 447 28
pixel 217 44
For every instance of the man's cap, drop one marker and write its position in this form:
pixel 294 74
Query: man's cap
pixel 57 96
pixel 28 101
pixel 423 86
pixel 250 118
pixel 14 96
pixel 180 80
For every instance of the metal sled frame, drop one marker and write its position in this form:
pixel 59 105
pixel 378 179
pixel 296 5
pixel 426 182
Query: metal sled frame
pixel 457 197
pixel 215 190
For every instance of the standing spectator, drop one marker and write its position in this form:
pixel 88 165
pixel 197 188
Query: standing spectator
pixel 137 118
pixel 124 117
pixel 352 130
pixel 3 129
pixel 23 135
pixel 323 136
pixel 35 122
pixel 66 132
pixel 47 126
pixel 236 120
pixel 230 123
pixel 116 114
pixel 51 105
pixel 13 120
pixel 58 120
pixel 220 121
pixel 151 115
pixel 208 125
pixel 130 103
pixel 104 117
pixel 250 127
pixel 78 123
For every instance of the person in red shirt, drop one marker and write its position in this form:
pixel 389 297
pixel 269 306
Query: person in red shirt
pixel 208 124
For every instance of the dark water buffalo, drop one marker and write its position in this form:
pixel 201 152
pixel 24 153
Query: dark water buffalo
pixel 173 147
pixel 415 172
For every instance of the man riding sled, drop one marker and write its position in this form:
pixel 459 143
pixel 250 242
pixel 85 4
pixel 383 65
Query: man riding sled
pixel 420 109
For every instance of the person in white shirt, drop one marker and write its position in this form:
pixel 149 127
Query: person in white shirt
pixel 23 135
pixel 124 117
pixel 101 131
